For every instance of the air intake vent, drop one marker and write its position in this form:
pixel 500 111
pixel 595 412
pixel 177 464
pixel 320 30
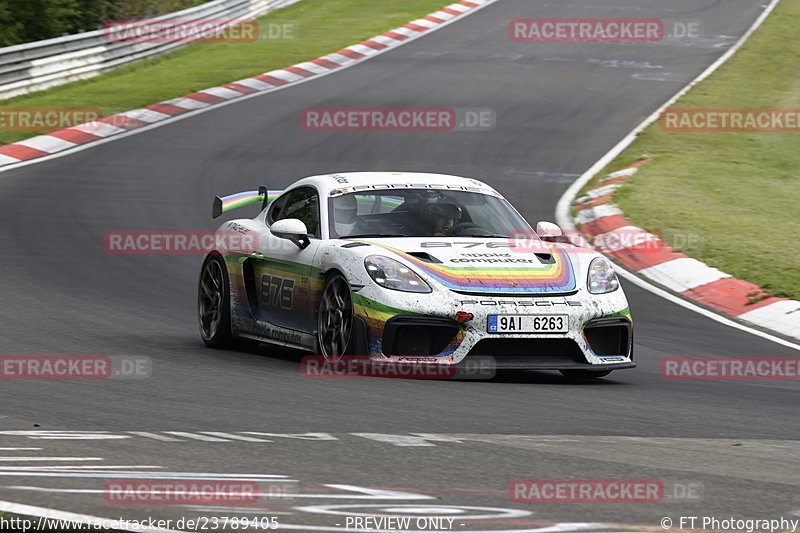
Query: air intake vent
pixel 425 256
pixel 609 336
pixel 406 335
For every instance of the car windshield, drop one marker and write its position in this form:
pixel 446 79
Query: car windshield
pixel 422 213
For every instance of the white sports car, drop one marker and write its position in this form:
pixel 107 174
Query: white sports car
pixel 416 267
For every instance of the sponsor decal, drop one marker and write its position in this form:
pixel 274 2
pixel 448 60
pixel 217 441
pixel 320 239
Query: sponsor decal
pixel 434 186
pixel 263 331
pixel 523 303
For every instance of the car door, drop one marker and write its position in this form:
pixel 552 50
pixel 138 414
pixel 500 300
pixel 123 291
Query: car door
pixel 286 277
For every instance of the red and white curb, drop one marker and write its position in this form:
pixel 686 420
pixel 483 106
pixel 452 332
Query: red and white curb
pixel 68 138
pixel 603 222
pixel 729 309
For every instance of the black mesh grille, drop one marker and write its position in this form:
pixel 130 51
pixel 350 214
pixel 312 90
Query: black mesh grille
pixel 608 337
pixel 418 335
pixel 531 352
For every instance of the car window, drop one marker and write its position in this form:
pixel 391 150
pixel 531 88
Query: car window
pixel 276 208
pixel 302 204
pixel 371 204
pixel 416 212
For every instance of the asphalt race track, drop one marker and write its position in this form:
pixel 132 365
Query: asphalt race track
pixel 559 107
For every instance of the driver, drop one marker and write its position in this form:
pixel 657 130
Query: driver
pixel 444 217
pixel 345 219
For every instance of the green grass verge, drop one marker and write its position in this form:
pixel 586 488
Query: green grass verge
pixel 739 191
pixel 323 26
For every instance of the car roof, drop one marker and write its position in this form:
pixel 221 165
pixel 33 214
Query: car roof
pixel 346 182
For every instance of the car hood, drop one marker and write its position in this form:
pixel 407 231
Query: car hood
pixel 483 266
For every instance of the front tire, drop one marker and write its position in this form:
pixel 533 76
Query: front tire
pixel 335 321
pixel 214 303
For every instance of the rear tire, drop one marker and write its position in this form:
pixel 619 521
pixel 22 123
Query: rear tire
pixel 214 303
pixel 585 374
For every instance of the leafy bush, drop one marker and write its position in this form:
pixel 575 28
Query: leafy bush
pixel 23 21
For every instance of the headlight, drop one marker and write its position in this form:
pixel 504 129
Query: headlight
pixel 392 274
pixel 602 278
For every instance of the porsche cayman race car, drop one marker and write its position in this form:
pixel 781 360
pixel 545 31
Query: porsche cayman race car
pixel 417 267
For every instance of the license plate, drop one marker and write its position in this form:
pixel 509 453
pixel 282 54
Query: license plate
pixel 528 323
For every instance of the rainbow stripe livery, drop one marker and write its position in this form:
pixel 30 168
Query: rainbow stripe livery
pixel 556 276
pixel 226 203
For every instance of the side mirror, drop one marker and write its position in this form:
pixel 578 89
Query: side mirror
pixel 547 231
pixel 291 229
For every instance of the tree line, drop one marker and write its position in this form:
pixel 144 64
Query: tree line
pixel 23 21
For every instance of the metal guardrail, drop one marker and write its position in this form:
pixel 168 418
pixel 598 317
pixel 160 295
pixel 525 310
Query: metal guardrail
pixel 29 67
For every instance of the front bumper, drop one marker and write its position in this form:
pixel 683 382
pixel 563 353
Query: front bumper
pixel 421 328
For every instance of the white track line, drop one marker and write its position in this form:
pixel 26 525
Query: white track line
pixel 53 514
pixel 155 436
pixel 557 528
pixel 195 436
pixel 234 437
pixel 185 476
pixel 565 202
pixel 27 459
pixel 138 491
pixel 4 470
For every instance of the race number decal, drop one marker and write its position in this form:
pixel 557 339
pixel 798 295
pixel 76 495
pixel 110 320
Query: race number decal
pixel 277 291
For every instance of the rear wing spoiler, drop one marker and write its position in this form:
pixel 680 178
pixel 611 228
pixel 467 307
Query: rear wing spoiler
pixel 226 203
